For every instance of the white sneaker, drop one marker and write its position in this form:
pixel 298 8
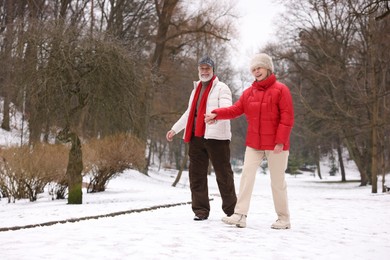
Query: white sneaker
pixel 280 224
pixel 236 219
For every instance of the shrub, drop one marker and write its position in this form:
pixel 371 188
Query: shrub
pixel 26 170
pixel 293 166
pixel 105 158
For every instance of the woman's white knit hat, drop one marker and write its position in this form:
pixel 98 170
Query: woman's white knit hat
pixel 262 60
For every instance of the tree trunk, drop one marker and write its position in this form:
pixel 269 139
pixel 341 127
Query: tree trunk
pixel 164 13
pixel 74 170
pixel 375 108
pixel 75 166
pixel 8 40
pixel 374 159
pixel 358 159
pixel 182 167
pixel 30 65
pixel 341 162
pixel 318 163
pixel 382 159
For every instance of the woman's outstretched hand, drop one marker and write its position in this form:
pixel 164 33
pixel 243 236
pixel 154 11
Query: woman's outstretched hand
pixel 209 118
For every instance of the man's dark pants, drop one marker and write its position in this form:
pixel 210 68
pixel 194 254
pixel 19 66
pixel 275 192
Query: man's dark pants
pixel 218 152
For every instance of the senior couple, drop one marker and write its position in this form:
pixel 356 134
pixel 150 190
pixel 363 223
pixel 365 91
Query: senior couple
pixel 268 107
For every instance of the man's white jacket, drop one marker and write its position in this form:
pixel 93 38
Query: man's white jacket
pixel 219 96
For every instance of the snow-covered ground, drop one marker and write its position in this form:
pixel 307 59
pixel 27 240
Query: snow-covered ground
pixel 329 221
pixel 141 217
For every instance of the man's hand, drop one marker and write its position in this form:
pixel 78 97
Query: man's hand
pixel 170 135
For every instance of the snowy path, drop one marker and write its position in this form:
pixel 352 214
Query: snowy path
pixel 329 221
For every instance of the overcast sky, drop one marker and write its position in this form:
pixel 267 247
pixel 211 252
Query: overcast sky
pixel 257 22
pixel 256 26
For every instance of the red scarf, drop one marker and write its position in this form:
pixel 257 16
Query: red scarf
pixel 265 83
pixel 200 126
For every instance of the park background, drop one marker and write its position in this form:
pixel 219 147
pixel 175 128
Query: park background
pixel 89 89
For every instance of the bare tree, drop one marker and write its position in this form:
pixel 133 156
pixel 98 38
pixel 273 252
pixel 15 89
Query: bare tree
pixel 89 86
pixel 7 59
pixel 97 67
pixel 339 62
pixel 379 8
pixel 178 35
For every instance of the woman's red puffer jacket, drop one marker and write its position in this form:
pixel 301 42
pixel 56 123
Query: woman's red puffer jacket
pixel 269 111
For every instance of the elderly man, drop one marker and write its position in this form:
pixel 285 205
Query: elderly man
pixel 207 142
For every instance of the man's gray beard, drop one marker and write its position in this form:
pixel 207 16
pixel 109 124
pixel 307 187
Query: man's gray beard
pixel 205 79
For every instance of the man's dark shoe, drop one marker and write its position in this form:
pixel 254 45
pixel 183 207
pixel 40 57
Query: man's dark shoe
pixel 200 217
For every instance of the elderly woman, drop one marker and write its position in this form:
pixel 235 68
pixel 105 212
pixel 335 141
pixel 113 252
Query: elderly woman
pixel 268 107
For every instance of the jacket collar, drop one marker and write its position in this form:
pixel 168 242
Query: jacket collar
pixel 264 84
